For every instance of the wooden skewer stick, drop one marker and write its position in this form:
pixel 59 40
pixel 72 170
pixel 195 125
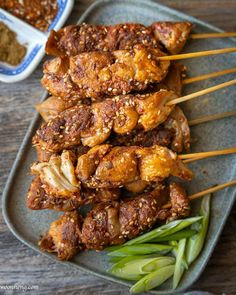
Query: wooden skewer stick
pixel 207 191
pixel 208 76
pixel 197 54
pixel 194 159
pixel 213 35
pixel 197 156
pixel 201 92
pixel 211 118
pixel 187 161
pixel 200 156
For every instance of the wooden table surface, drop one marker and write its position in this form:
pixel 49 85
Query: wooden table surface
pixel 21 265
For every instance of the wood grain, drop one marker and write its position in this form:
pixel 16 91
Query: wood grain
pixel 21 265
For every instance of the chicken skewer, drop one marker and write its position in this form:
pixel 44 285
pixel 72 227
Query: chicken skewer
pixel 76 39
pixel 43 195
pixel 73 40
pixel 105 166
pixel 47 194
pixel 173 133
pixel 95 74
pixel 114 223
pixel 93 124
pixel 110 167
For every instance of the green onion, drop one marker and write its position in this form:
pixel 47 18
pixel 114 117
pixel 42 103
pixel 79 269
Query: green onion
pixel 118 268
pixel 164 230
pixel 134 269
pixel 158 263
pixel 196 242
pixel 141 249
pixel 114 259
pixel 154 279
pixel 180 263
pixel 185 233
pixel 139 259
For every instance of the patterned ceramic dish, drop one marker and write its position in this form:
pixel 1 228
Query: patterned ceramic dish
pixel 33 39
pixel 28 225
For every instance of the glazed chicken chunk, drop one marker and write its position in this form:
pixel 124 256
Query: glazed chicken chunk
pixel 113 223
pixel 92 125
pixel 76 39
pixel 107 166
pixel 95 74
pixel 173 35
pixel 63 236
pixel 41 197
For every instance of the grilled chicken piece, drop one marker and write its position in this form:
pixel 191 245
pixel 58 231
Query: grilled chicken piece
pixel 58 176
pixel 177 123
pixel 173 35
pixel 52 106
pixel 95 74
pixel 113 223
pixel 63 236
pixel 180 203
pixel 40 197
pixel 76 39
pixel 92 125
pixel 107 166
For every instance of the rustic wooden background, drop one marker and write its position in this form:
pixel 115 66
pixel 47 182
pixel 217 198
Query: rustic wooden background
pixel 18 263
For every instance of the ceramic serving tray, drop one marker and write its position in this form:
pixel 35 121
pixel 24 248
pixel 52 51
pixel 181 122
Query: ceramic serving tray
pixel 28 225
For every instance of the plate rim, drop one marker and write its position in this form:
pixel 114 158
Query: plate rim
pixel 29 134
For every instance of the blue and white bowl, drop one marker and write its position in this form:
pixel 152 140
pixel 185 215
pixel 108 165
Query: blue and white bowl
pixel 33 39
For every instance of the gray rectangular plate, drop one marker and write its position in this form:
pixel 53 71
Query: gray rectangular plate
pixel 28 225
